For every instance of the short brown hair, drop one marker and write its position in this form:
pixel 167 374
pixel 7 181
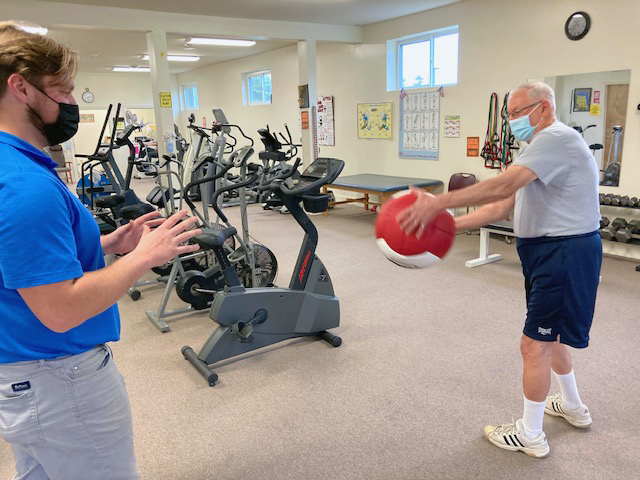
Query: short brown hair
pixel 33 56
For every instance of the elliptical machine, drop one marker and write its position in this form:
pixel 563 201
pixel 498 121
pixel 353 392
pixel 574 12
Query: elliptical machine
pixel 120 200
pixel 275 159
pixel 251 318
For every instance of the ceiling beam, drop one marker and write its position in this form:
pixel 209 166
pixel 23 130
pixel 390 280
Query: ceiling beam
pixel 85 16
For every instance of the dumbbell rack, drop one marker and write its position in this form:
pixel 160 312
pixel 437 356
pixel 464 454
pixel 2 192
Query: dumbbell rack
pixel 618 201
pixel 611 200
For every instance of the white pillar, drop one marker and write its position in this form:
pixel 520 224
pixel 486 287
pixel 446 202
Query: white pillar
pixel 161 88
pixel 307 76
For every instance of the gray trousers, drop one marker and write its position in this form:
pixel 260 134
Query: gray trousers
pixel 68 418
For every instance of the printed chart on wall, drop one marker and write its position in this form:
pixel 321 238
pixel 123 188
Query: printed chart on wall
pixel 374 120
pixel 326 133
pixel 420 125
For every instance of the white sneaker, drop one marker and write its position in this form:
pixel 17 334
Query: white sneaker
pixel 580 418
pixel 511 436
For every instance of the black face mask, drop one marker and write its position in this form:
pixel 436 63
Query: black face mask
pixel 65 127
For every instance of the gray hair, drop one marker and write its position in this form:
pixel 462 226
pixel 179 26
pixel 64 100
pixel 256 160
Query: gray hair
pixel 539 91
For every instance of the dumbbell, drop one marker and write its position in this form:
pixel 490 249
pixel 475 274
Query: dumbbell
pixel 633 202
pixel 604 222
pixel 609 232
pixel 606 200
pixel 624 201
pixel 625 234
pixel 615 201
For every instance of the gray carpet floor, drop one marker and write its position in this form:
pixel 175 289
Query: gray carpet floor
pixel 429 357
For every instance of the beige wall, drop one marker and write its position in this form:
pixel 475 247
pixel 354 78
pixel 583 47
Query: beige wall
pixel 221 86
pixel 132 90
pixel 502 44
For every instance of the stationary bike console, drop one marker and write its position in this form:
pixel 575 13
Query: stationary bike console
pixel 322 171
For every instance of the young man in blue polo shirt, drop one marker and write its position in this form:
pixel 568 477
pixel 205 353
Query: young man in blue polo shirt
pixel 63 405
pixel 560 249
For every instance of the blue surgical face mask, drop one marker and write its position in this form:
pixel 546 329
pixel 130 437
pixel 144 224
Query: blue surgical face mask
pixel 522 128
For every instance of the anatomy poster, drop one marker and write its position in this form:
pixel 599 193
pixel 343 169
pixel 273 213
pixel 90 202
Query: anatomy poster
pixel 420 125
pixel 374 120
pixel 326 134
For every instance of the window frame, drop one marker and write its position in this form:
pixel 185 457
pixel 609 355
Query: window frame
pixel 183 91
pixel 394 58
pixel 247 88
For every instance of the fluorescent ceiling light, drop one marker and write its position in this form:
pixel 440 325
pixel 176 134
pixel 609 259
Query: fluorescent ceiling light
pixel 177 58
pixel 131 69
pixel 226 42
pixel 34 29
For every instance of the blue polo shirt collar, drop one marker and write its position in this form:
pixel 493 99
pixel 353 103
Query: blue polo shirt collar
pixel 31 151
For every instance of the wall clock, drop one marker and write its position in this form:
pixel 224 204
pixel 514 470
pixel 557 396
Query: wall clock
pixel 87 96
pixel 577 25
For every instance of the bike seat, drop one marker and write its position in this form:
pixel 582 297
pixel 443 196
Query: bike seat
pixel 110 201
pixel 131 212
pixel 596 146
pixel 213 237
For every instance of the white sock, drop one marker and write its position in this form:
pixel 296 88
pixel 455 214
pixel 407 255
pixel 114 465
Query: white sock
pixel 569 389
pixel 532 417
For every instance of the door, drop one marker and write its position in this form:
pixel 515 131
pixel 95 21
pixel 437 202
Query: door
pixel 616 114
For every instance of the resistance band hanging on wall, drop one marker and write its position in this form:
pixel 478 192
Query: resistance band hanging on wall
pixel 492 139
pixel 507 141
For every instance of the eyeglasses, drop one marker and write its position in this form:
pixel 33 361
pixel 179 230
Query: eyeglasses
pixel 516 113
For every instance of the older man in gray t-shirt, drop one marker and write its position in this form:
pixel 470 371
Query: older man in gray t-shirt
pixel 561 201
pixel 553 186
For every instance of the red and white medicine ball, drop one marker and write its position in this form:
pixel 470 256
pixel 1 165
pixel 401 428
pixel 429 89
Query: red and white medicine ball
pixel 407 250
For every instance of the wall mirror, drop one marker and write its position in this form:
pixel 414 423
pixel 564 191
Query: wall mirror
pixel 595 104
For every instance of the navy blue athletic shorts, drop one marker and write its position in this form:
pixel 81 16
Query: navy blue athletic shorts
pixel 561 276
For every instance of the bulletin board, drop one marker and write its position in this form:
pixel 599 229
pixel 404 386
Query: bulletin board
pixel 374 120
pixel 420 125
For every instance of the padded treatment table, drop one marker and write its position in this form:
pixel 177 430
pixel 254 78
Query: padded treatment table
pixel 503 228
pixel 384 186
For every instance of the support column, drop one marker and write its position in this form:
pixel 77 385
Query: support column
pixel 161 88
pixel 307 76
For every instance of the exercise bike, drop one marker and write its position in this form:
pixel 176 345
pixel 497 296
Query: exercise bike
pixel 255 264
pixel 251 318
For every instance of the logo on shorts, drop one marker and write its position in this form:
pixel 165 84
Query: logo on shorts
pixel 544 331
pixel 21 387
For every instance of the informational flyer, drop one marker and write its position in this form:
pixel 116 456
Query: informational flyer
pixel 374 120
pixel 473 146
pixel 326 132
pixel 452 126
pixel 420 125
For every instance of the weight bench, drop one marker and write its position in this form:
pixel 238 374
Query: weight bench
pixel 383 186
pixel 503 228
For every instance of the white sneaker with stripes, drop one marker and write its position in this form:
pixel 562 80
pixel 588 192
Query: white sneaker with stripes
pixel 580 418
pixel 511 436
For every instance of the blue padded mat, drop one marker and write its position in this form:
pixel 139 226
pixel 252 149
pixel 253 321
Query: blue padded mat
pixel 383 183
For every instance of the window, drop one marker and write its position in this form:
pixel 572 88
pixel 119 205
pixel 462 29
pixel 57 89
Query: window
pixel 190 96
pixel 426 60
pixel 257 88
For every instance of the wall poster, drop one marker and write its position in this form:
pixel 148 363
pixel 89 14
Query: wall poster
pixel 374 120
pixel 420 125
pixel 326 132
